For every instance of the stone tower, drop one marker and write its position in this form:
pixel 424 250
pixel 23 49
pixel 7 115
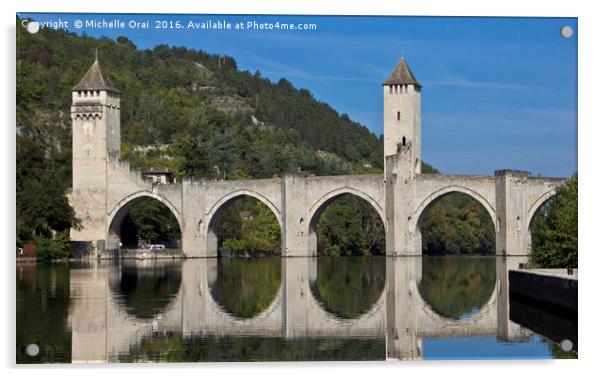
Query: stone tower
pixel 402 158
pixel 96 138
pixel 402 115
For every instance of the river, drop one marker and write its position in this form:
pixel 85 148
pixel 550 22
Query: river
pixel 275 309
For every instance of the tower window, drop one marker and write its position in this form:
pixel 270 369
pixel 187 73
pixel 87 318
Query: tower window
pixel 398 115
pixel 390 89
pixel 395 89
pixel 403 141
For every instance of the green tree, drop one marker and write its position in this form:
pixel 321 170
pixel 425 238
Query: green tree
pixel 195 160
pixel 255 233
pixel 42 207
pixel 457 224
pixel 224 152
pixel 350 226
pixel 554 229
pixel 151 222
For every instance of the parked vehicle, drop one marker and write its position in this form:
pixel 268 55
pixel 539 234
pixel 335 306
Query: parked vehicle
pixel 156 247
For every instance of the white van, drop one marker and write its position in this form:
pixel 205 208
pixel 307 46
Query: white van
pixel 156 247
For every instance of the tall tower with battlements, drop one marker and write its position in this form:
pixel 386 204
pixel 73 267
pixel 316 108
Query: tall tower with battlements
pixel 402 115
pixel 95 114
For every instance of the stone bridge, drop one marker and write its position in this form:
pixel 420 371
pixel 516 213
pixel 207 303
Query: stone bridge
pixel 102 328
pixel 510 197
pixel 105 187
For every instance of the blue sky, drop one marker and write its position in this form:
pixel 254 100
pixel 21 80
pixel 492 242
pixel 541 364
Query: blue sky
pixel 497 92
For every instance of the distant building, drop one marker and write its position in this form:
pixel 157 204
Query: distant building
pixel 246 215
pixel 158 175
pixel 28 251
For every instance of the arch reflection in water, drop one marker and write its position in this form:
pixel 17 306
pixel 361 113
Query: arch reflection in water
pixel 244 287
pixel 457 287
pixel 103 331
pixel 146 288
pixel 350 286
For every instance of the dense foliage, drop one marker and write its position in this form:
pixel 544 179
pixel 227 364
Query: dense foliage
pixel 554 229
pixel 150 222
pixel 219 119
pixel 457 224
pixel 44 215
pixel 248 227
pixel 350 226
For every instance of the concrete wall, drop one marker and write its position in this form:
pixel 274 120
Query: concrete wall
pixel 548 288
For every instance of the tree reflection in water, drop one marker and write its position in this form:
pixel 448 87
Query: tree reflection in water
pixel 175 348
pixel 349 286
pixel 42 310
pixel 246 287
pixel 146 291
pixel 456 287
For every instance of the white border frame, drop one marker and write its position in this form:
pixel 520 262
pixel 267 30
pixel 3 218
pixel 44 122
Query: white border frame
pixel 590 125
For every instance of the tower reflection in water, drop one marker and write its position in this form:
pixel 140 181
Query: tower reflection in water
pixel 163 310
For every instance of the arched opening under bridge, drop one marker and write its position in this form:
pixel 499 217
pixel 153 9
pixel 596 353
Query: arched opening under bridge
pixel 346 224
pixel 455 222
pixel 144 222
pixel 244 225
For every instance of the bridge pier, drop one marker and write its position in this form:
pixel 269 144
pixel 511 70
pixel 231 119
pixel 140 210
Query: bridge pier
pixel 512 222
pixel 400 193
pixel 193 232
pixel 296 240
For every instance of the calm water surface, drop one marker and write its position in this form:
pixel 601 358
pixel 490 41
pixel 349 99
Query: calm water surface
pixel 273 309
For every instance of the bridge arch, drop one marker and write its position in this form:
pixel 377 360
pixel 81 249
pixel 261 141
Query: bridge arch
pixel 537 205
pixel 420 212
pixel 321 204
pixel 122 208
pixel 532 213
pixel 215 213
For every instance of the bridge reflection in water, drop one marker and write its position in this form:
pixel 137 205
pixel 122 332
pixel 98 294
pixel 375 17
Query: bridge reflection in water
pixel 113 309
